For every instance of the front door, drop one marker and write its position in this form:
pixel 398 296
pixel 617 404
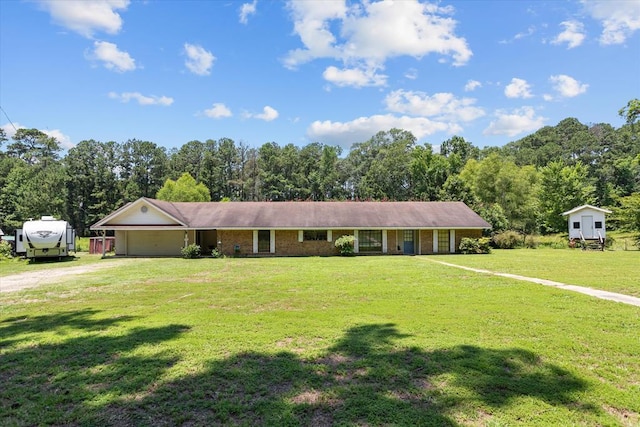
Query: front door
pixel 587 226
pixel 409 244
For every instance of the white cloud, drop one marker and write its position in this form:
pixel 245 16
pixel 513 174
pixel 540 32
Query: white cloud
pixel 573 34
pixel 620 19
pixel 513 123
pixel 411 74
pixel 87 17
pixel 142 99
pixel 112 58
pixel 354 77
pixel 199 61
pixel 10 130
pixel 472 85
pixel 442 106
pixel 362 128
pixel 518 88
pixel 521 35
pixel 218 111
pixel 246 10
pixel 365 36
pixel 268 114
pixel 64 140
pixel 567 86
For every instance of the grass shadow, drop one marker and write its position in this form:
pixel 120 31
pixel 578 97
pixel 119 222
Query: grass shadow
pixel 364 379
pixel 83 362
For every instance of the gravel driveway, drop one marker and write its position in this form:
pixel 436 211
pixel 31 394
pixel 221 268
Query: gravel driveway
pixel 33 279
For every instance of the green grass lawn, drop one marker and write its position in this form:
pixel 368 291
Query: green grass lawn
pixel 314 341
pixel 615 271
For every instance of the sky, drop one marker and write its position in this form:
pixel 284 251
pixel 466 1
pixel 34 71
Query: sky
pixel 335 72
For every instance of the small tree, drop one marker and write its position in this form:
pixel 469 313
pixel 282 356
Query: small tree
pixel 346 245
pixel 185 189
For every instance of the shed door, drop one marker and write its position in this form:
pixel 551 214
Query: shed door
pixel 587 226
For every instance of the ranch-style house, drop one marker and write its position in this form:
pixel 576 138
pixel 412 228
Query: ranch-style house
pixel 150 227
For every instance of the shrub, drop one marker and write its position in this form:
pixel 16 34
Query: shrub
pixel 531 242
pixel 485 245
pixel 215 253
pixel 5 250
pixel 507 239
pixel 346 245
pixel 191 251
pixel 609 242
pixel 475 246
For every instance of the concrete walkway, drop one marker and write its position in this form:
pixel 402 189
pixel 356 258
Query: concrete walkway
pixel 611 296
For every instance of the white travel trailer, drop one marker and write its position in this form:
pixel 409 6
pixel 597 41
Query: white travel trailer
pixel 45 238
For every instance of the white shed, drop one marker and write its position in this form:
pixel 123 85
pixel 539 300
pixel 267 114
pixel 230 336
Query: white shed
pixel 587 222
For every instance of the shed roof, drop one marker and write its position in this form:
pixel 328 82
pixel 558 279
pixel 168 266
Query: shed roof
pixel 312 215
pixel 579 208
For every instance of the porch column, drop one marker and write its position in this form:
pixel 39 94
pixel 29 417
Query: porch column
pixel 255 241
pixel 435 241
pixel 272 241
pixel 356 244
pixel 452 241
pixel 104 243
pixel 384 241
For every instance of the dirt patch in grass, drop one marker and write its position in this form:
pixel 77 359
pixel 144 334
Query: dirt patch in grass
pixel 626 417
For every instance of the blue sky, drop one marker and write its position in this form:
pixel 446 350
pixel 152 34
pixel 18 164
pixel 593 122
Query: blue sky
pixel 334 72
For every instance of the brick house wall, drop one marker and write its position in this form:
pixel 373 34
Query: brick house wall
pixel 288 244
pixel 231 238
pixel 426 242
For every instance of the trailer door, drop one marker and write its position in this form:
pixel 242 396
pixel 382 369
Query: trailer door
pixel 19 241
pixel 71 239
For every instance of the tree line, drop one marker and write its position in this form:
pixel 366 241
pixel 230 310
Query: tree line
pixel 524 185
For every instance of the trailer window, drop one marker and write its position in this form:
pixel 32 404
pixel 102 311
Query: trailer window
pixel 576 225
pixel 598 224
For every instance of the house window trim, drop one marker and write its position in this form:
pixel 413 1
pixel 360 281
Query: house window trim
pixel 368 249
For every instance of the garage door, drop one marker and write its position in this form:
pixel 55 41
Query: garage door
pixel 155 243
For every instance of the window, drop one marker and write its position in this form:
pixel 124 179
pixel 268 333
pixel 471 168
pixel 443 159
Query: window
pixel 443 241
pixel 576 225
pixel 598 224
pixel 315 235
pixel 264 240
pixel 370 240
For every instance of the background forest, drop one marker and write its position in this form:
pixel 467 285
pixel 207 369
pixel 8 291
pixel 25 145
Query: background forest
pixel 523 186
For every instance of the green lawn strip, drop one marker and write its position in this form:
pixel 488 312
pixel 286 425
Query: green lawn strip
pixel 290 341
pixel 615 271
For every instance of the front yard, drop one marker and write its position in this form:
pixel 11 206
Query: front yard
pixel 291 341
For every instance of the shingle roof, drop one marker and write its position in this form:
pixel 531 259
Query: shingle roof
pixel 310 215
